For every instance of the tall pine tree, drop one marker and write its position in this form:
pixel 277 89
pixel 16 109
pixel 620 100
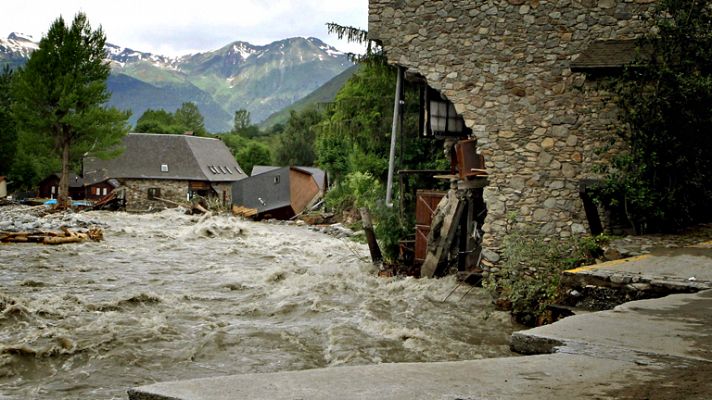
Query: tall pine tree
pixel 60 96
pixel 8 135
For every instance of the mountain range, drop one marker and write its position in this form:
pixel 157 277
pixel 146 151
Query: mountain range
pixel 261 79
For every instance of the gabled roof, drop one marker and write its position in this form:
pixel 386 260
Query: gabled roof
pixel 75 181
pixel 606 54
pixel 261 169
pixel 160 156
pixel 266 191
pixel 319 175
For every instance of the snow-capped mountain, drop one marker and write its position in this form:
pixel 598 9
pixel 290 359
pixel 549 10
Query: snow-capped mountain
pixel 17 46
pixel 262 79
pixel 120 56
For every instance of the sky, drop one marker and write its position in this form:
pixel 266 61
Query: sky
pixel 179 27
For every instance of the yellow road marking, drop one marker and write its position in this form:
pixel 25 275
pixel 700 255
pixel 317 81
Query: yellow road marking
pixel 614 263
pixel 609 264
pixel 703 245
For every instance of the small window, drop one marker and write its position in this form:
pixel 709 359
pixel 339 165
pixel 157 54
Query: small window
pixel 54 189
pixel 164 167
pixel 276 179
pixel 153 193
pixel 104 192
pixel 98 191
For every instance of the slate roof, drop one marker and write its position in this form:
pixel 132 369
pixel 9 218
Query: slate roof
pixel 319 175
pixel 606 54
pixel 262 192
pixel 75 181
pixel 186 157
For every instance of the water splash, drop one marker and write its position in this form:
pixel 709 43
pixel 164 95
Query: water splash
pixel 168 296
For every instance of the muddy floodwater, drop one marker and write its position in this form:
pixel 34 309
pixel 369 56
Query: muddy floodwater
pixel 167 296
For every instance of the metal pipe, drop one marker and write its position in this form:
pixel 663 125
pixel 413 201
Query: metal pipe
pixel 394 131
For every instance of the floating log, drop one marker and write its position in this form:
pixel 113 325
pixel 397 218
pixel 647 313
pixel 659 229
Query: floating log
pixel 45 237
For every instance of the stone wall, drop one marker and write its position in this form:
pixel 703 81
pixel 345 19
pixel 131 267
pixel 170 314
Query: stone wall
pixel 137 195
pixel 506 67
pixel 174 190
pixel 224 192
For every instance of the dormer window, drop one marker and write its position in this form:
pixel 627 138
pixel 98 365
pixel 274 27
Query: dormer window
pixel 229 171
pixel 164 167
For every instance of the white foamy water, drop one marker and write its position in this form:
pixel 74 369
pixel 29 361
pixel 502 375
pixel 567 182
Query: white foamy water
pixel 167 296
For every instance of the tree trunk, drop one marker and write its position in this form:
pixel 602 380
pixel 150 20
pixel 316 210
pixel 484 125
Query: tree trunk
pixel 62 198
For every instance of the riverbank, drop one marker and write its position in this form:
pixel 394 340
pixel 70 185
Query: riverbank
pixel 648 349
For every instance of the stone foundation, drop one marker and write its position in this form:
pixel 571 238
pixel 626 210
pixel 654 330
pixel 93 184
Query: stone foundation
pixel 506 67
pixel 137 199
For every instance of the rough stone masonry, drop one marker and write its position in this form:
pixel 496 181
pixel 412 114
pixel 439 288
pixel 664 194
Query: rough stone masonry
pixel 506 67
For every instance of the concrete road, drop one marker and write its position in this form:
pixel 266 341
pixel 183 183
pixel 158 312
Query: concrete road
pixel 652 349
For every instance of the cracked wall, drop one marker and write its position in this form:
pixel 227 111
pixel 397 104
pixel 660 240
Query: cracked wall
pixel 506 67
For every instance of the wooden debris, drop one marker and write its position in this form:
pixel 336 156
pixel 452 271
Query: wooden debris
pixel 49 237
pixel 376 256
pixel 241 211
pixel 442 233
pixel 196 208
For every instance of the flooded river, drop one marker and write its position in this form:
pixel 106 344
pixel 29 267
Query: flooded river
pixel 167 296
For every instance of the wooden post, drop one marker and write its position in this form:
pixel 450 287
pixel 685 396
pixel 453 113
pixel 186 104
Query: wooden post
pixel 376 256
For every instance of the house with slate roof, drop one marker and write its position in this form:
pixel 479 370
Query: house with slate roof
pixel 49 186
pixel 160 170
pixel 318 174
pixel 279 192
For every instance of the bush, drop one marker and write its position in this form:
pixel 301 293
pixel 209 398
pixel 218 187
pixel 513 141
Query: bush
pixel 357 189
pixel 528 277
pixel 389 229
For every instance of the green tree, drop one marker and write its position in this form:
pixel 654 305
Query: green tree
pixel 296 144
pixel 662 179
pixel 242 120
pixel 254 153
pixel 8 132
pixel 355 135
pixel 247 152
pixel 158 121
pixel 188 116
pixel 60 96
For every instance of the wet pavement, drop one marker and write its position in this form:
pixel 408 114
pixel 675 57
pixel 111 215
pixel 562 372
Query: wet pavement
pixel 654 346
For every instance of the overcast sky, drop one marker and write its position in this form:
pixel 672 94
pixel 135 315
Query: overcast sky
pixel 178 27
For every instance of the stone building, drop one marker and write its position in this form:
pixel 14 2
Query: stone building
pixel 510 69
pixel 162 170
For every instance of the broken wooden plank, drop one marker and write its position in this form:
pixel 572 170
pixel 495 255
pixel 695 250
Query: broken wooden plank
pixel 442 233
pixel 242 211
